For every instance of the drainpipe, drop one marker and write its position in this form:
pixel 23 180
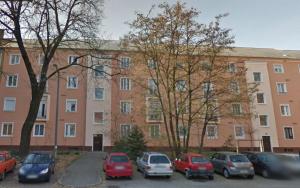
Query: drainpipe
pixel 1 52
pixel 57 111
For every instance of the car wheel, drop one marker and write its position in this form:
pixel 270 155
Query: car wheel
pixel 211 177
pixel 48 178
pixel 226 173
pixel 145 174
pixel 2 176
pixel 265 174
pixel 168 177
pixel 250 176
pixel 187 174
pixel 107 177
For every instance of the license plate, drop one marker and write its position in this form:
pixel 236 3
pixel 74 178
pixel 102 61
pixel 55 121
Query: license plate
pixel 160 166
pixel 119 167
pixel 202 168
pixel 32 176
pixel 244 171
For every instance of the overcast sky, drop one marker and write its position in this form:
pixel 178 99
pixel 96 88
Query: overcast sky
pixel 254 23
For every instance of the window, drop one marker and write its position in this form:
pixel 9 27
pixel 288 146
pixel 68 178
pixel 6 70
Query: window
pixel 278 68
pixel 71 105
pixel 152 64
pixel 182 131
pixel 206 66
pixel 125 107
pixel 231 68
pixel 125 130
pixel 99 71
pixel 12 81
pixel 42 113
pixel 154 131
pixel 73 59
pixel 41 59
pixel 263 120
pixel 125 63
pixel 234 87
pixel 72 82
pixel 288 133
pixel 125 83
pixel 207 88
pixel 260 98
pixel 9 104
pixel 239 132
pixel 70 130
pixel 257 77
pixel 152 86
pixel 181 85
pixel 281 88
pixel 98 117
pixel 182 107
pixel 14 59
pixel 39 130
pixel 7 129
pixel 99 93
pixel 179 65
pixel 299 67
pixel 236 109
pixel 154 112
pixel 211 131
pixel 285 110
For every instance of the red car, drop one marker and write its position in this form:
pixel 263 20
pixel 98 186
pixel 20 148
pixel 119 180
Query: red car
pixel 7 163
pixel 192 164
pixel 117 165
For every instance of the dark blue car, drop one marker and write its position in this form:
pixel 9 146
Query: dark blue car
pixel 37 167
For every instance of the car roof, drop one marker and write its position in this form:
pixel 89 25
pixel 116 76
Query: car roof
pixel 229 153
pixel 41 153
pixel 154 153
pixel 194 154
pixel 118 153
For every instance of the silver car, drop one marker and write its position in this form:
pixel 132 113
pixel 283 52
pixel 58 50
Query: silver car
pixel 154 164
pixel 232 164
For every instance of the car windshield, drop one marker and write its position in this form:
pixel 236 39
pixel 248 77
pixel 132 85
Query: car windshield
pixel 37 159
pixel 238 158
pixel 2 158
pixel 119 159
pixel 159 159
pixel 268 158
pixel 199 159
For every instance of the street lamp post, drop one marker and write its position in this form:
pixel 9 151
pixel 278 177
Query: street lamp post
pixel 57 110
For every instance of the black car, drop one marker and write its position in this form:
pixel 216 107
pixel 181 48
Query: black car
pixel 37 166
pixel 267 164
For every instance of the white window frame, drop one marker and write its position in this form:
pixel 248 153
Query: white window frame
pixel 299 67
pixel 215 131
pixel 10 59
pixel 151 64
pixel 68 81
pixel 241 109
pixel 284 87
pixel 292 132
pixel 150 134
pixel 289 110
pixel 148 111
pixel 261 77
pixel 101 74
pixel 181 87
pixel 70 136
pixel 7 81
pixel 151 90
pixel 237 87
pixel 41 56
pixel 130 106
pixel 129 84
pixel 278 67
pixel 266 120
pixel 46 108
pixel 229 69
pixel 34 127
pixel 95 98
pixel 72 57
pixel 121 62
pixel 4 104
pixel 244 133
pixel 130 128
pixel 264 96
pixel 102 122
pixel 70 100
pixel 12 129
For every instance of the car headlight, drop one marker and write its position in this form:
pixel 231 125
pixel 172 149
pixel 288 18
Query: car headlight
pixel 21 171
pixel 44 171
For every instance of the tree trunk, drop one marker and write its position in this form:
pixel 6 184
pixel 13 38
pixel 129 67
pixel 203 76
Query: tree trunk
pixel 28 124
pixel 202 137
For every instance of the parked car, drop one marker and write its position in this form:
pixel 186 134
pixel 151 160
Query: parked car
pixel 267 164
pixel 117 165
pixel 7 164
pixel 232 164
pixel 192 164
pixel 154 164
pixel 37 166
pixel 291 162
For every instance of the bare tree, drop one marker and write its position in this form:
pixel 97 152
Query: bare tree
pixel 51 24
pixel 181 56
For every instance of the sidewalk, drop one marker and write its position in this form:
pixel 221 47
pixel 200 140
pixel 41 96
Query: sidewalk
pixel 85 172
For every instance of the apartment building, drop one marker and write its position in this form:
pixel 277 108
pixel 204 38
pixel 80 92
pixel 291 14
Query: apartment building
pixel 100 105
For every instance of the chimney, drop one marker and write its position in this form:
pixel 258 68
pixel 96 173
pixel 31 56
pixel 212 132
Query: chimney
pixel 1 33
